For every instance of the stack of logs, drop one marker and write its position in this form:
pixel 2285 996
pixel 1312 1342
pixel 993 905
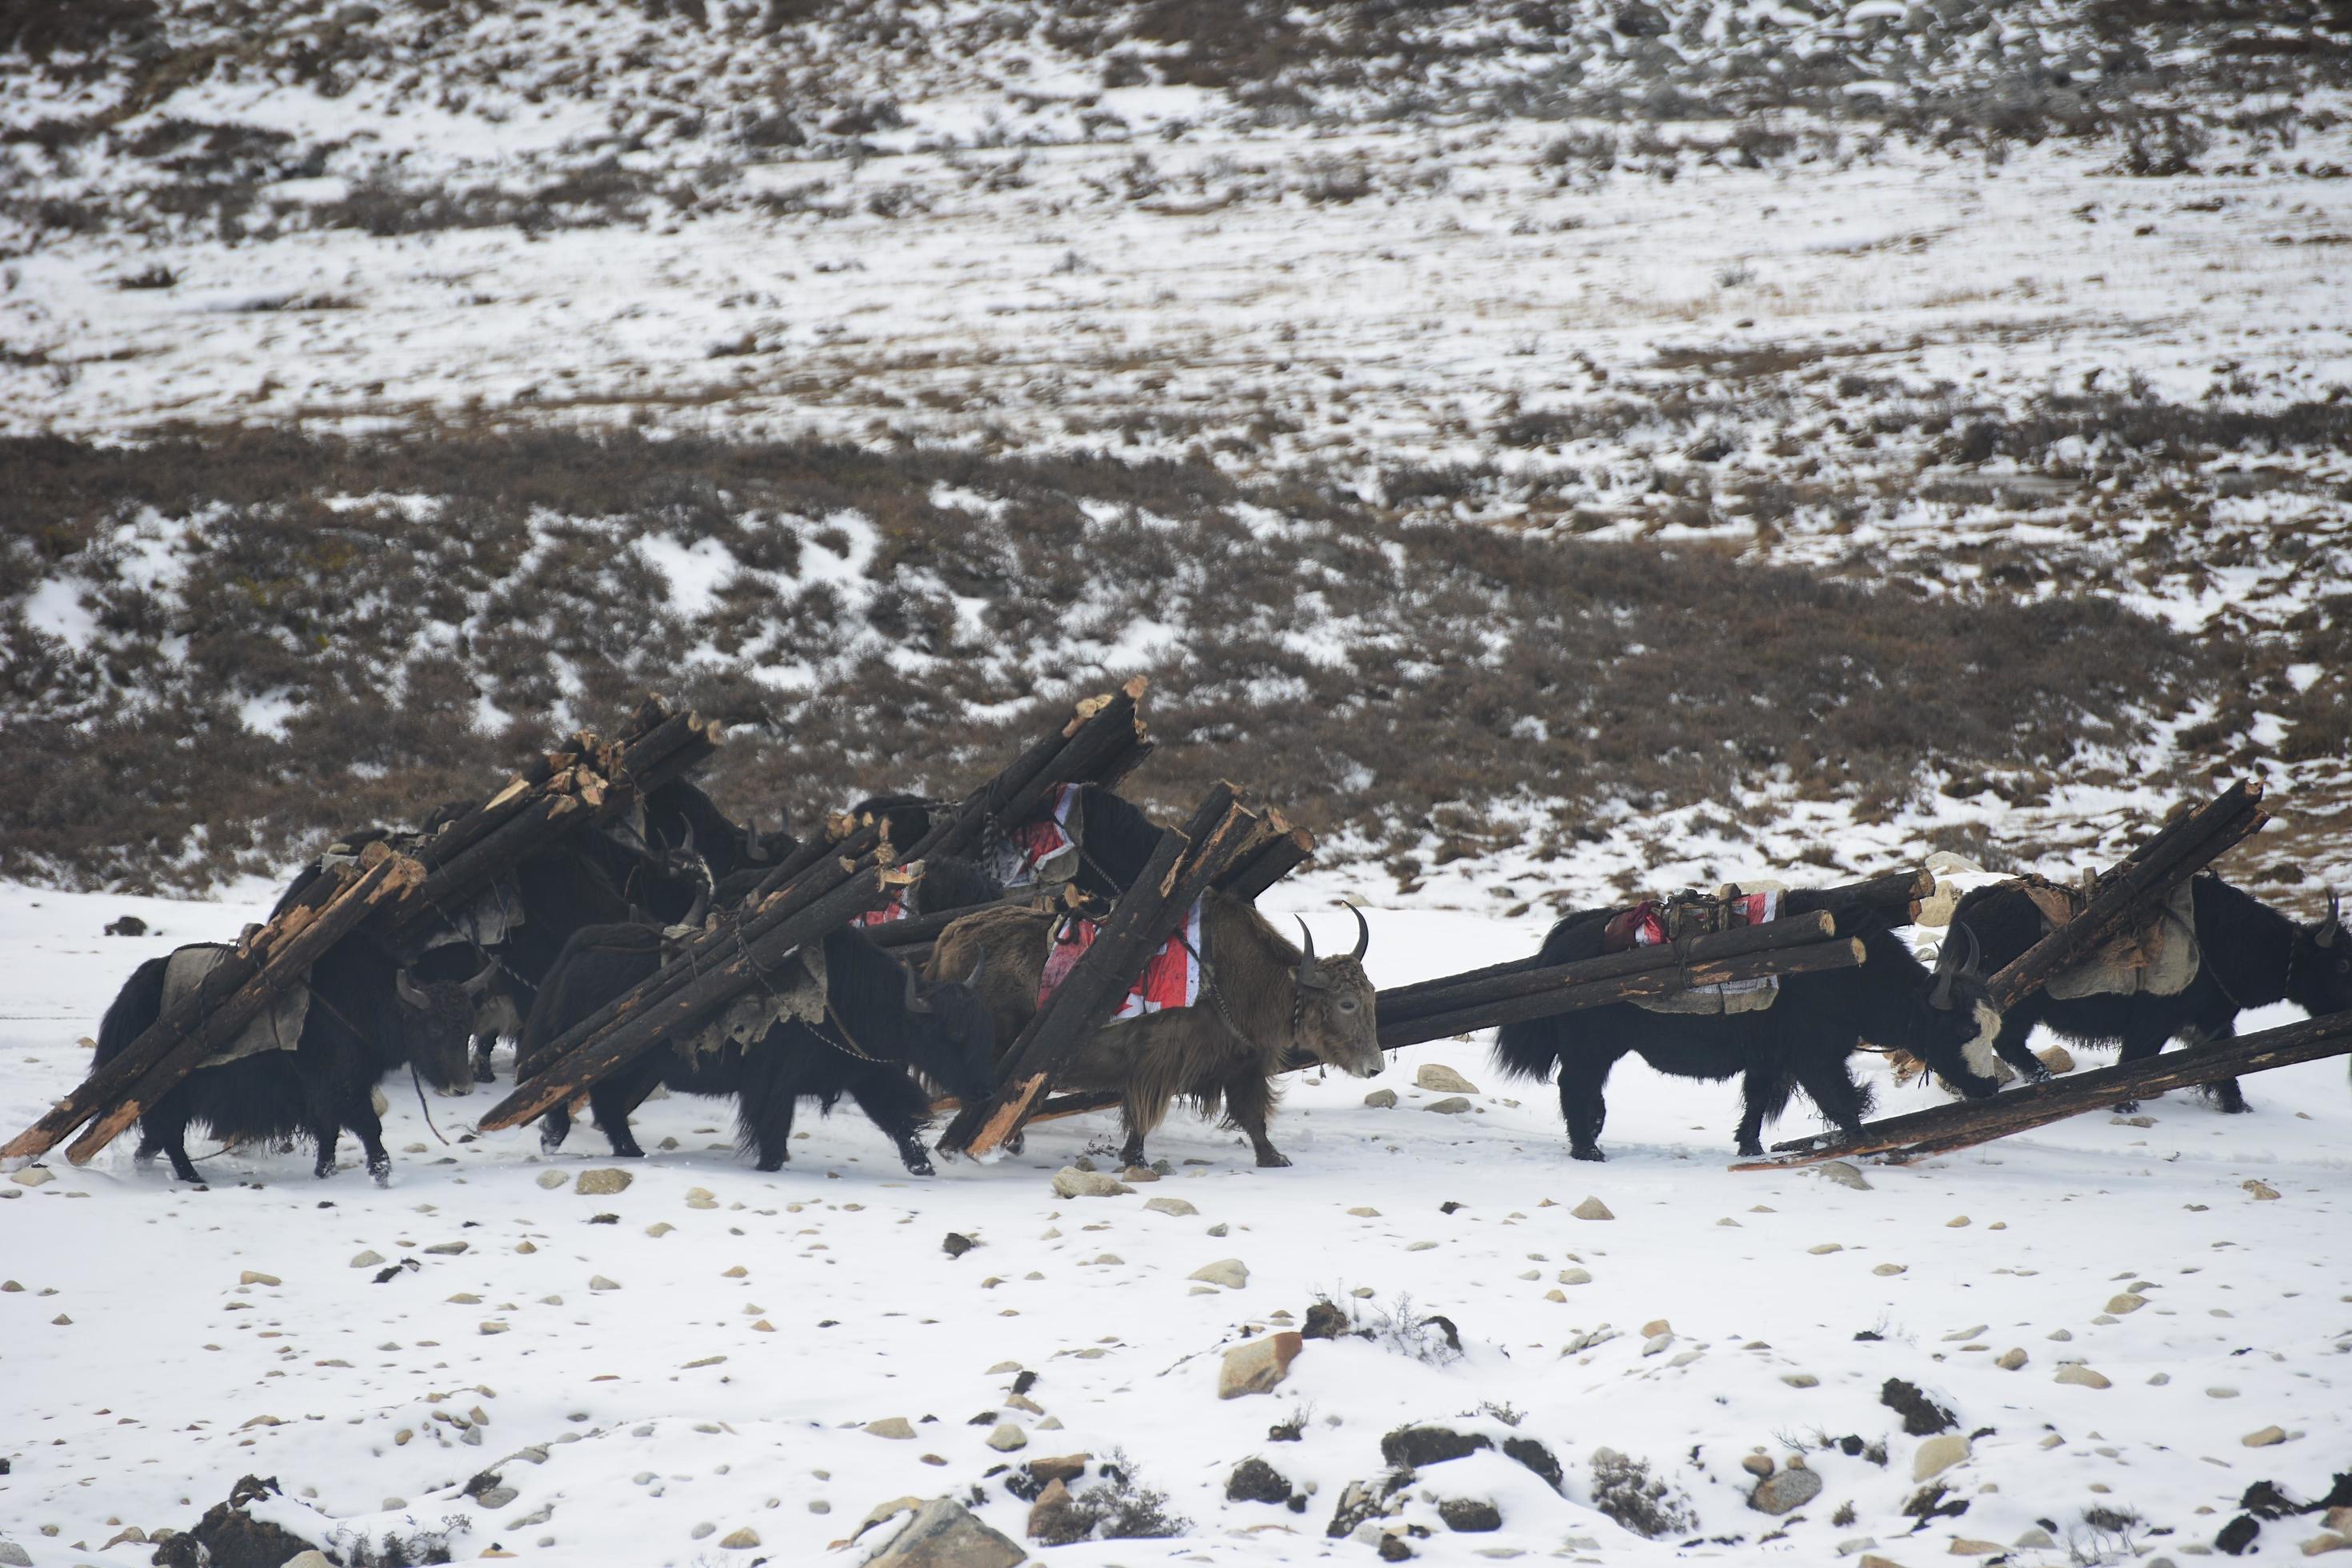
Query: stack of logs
pixel 388 897
pixel 1227 845
pixel 821 886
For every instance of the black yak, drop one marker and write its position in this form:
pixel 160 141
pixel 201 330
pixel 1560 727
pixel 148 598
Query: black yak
pixel 1085 835
pixel 680 817
pixel 367 1017
pixel 879 1027
pixel 1259 996
pixel 1801 1041
pixel 2249 955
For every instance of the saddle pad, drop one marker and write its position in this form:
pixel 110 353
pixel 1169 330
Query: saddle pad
pixel 277 1027
pixel 1653 923
pixel 1172 978
pixel 1043 850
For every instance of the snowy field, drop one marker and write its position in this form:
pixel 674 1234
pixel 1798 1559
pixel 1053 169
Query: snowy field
pixel 650 1372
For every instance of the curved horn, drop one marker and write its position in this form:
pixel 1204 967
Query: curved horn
pixel 977 965
pixel 2334 925
pixel 1363 934
pixel 753 851
pixel 1948 963
pixel 1972 966
pixel 687 846
pixel 1309 973
pixel 698 910
pixel 408 991
pixel 916 1002
pixel 482 978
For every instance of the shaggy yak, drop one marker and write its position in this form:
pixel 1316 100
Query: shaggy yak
pixel 1801 1041
pixel 2249 955
pixel 679 816
pixel 367 1017
pixel 881 1028
pixel 1259 998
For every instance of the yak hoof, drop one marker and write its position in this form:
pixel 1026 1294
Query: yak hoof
pixel 1590 1152
pixel 920 1165
pixel 776 1165
pixel 1273 1159
pixel 2126 1108
pixel 381 1171
pixel 1751 1150
pixel 484 1073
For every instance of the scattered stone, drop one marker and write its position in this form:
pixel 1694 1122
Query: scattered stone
pixel 1451 1105
pixel 701 1198
pixel 1845 1176
pixel 1591 1209
pixel 1888 1270
pixel 1007 1438
pixel 1259 1365
pixel 2062 1335
pixel 2057 1059
pixel 601 1183
pixel 2035 1538
pixel 2081 1376
pixel 1230 1272
pixel 1957 1221
pixel 2265 1437
pixel 1054 1516
pixel 1220 1228
pixel 1140 1174
pixel 1922 1417
pixel 2262 1191
pixel 1069 1182
pixel 1800 1380
pixel 447 1248
pixel 1176 1207
pixel 957 1244
pixel 659 1228
pixel 896 1428
pixel 1937 1455
pixel 1787 1490
pixel 2010 1360
pixel 944 1534
pixel 2127 1302
pixel 1443 1080
pixel 1415 1447
pixel 13 1555
pixel 1758 1465
pixel 1575 1276
pixel 1381 1099
pixel 1061 1468
pixel 251 1277
pixel 743 1540
pixel 1469 1516
pixel 34 1176
pixel 1963 1547
pixel 598 1282
pixel 368 1260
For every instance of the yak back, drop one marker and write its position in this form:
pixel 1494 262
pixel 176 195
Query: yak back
pixel 952 882
pixel 134 1009
pixel 598 964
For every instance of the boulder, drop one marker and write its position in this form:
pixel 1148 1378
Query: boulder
pixel 1845 1176
pixel 1259 1365
pixel 2081 1376
pixel 1443 1080
pixel 1469 1516
pixel 896 1428
pixel 1451 1105
pixel 1592 1208
pixel 1230 1272
pixel 1254 1481
pixel 603 1181
pixel 944 1534
pixel 1937 1455
pixel 1381 1099
pixel 1176 1207
pixel 1785 1490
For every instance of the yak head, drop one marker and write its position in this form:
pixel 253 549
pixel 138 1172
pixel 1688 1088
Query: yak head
pixel 1332 1014
pixel 952 1037
pixel 435 1023
pixel 1953 1019
pixel 2320 976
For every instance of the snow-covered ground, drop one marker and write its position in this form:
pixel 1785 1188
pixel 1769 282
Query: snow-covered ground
pixel 747 1337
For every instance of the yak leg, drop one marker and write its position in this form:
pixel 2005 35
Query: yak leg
pixel 1764 1094
pixel 169 1133
pixel 361 1118
pixel 324 1119
pixel 2009 1047
pixel 485 1047
pixel 1249 1100
pixel 554 1126
pixel 1583 1105
pixel 614 1098
pixel 893 1101
pixel 1829 1083
pixel 2225 1093
pixel 2143 1039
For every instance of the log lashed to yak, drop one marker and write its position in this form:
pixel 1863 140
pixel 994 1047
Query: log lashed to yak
pixel 1260 998
pixel 366 1017
pixel 1802 1041
pixel 2248 955
pixel 879 1027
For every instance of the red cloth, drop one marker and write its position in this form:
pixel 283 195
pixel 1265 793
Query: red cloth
pixel 1031 844
pixel 896 909
pixel 1170 978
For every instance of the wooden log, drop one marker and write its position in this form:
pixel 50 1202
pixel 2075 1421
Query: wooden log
pixel 1452 993
pixel 1568 994
pixel 1100 739
pixel 650 1014
pixel 1285 853
pixel 2142 879
pixel 1186 864
pixel 1945 1128
pixel 1897 893
pixel 286 949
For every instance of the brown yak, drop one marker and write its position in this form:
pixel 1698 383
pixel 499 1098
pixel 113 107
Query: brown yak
pixel 1259 998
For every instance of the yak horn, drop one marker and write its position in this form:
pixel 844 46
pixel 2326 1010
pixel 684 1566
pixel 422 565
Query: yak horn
pixel 482 978
pixel 1363 934
pixel 2333 925
pixel 753 851
pixel 915 999
pixel 1950 964
pixel 408 991
pixel 977 965
pixel 1308 974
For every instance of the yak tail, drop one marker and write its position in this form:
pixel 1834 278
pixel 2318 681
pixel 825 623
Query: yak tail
pixel 135 1007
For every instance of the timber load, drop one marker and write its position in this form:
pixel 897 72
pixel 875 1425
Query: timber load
pixel 2130 892
pixel 385 896
pixel 819 887
pixel 1226 844
pixel 1967 1123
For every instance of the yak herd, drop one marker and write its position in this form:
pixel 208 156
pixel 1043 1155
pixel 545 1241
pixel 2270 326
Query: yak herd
pixel 576 925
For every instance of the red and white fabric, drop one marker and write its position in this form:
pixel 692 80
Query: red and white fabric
pixel 1033 844
pixel 1171 979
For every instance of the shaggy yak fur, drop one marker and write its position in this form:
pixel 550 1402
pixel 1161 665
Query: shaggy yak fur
pixel 2249 955
pixel 1802 1041
pixel 679 816
pixel 367 1017
pixel 883 1028
pixel 1260 998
